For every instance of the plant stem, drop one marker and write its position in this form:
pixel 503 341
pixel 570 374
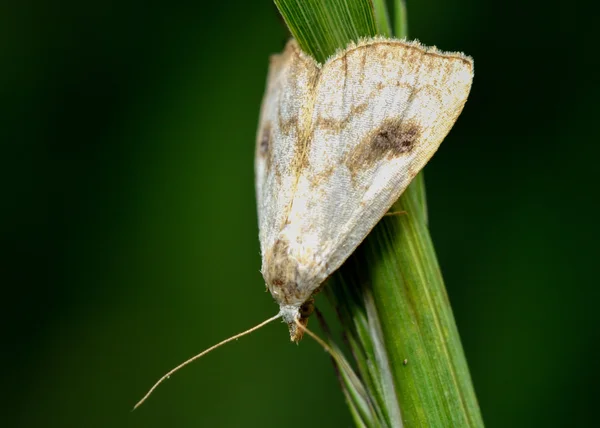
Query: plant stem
pixel 390 295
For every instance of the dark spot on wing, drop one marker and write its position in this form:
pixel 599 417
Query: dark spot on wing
pixel 393 138
pixel 265 140
pixel 264 144
pixel 265 148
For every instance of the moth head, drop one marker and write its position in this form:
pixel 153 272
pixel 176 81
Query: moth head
pixel 294 315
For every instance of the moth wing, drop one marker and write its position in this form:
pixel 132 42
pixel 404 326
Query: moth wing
pixel 381 110
pixel 290 84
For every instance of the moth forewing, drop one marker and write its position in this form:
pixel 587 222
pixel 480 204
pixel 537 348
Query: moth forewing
pixel 337 145
pixel 288 93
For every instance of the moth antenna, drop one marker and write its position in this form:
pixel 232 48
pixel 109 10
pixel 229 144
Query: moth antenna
pixel 201 354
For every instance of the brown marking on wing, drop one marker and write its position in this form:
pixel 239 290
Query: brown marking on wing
pixel 357 109
pixel 363 64
pixel 288 125
pixel 281 272
pixel 337 125
pixel 329 124
pixel 345 65
pixel 433 92
pixel 318 178
pixel 304 134
pixel 393 138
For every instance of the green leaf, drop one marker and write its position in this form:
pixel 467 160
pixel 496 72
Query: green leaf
pixel 382 18
pixel 321 27
pixel 400 19
pixel 389 295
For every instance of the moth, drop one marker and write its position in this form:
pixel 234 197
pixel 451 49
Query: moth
pixel 337 144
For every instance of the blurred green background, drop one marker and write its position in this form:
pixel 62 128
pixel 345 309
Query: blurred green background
pixel 129 226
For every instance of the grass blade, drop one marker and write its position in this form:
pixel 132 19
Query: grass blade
pixel 389 295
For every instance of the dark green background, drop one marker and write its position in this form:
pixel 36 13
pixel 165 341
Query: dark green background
pixel 128 216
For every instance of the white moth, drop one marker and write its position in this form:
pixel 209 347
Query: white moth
pixel 337 145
